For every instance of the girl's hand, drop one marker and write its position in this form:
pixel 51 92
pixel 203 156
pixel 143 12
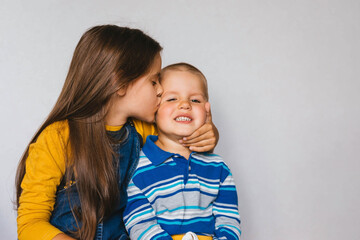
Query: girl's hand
pixel 205 138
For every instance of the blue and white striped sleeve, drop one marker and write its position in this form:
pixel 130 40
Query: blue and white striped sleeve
pixel 139 217
pixel 225 210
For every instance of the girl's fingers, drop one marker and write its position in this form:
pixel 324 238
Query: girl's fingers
pixel 202 149
pixel 199 132
pixel 203 143
pixel 209 135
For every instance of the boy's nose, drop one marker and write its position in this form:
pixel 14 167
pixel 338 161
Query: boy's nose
pixel 185 105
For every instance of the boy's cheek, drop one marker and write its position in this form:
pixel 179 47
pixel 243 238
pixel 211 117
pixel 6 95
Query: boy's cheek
pixel 163 112
pixel 203 115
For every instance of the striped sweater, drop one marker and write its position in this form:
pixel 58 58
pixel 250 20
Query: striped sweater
pixel 170 195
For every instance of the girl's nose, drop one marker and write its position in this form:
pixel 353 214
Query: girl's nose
pixel 159 90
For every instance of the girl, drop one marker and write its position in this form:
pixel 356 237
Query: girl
pixel 71 181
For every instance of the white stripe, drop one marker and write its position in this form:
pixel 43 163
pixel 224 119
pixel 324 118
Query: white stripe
pixel 215 181
pixel 229 181
pixel 132 189
pixel 136 218
pixel 205 188
pixel 187 214
pixel 157 192
pixel 134 211
pixel 143 162
pixel 163 182
pixel 153 231
pixel 208 159
pixel 234 215
pixel 225 205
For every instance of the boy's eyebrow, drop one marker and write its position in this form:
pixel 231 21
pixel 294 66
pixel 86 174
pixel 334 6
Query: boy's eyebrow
pixel 167 93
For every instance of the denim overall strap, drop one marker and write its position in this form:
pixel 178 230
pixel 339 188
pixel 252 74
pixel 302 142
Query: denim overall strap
pixel 128 151
pixel 68 202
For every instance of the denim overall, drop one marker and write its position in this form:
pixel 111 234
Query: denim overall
pixel 112 227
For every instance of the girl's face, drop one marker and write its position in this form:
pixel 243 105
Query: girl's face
pixel 182 109
pixel 143 95
pixel 140 100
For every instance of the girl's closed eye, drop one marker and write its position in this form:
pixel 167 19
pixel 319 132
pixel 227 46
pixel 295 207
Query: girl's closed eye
pixel 155 80
pixel 171 99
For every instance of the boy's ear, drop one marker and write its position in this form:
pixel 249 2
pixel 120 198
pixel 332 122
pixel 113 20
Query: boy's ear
pixel 207 106
pixel 208 112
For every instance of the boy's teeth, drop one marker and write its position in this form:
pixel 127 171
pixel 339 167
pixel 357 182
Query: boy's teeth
pixel 183 119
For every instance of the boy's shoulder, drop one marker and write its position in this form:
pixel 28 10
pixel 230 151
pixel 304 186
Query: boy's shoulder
pixel 142 156
pixel 209 158
pixel 143 160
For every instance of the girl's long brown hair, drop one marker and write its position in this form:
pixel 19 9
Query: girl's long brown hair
pixel 106 58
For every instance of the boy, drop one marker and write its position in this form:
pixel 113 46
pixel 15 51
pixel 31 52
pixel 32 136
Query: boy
pixel 175 191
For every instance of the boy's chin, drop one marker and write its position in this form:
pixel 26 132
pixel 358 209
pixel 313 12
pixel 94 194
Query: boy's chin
pixel 183 134
pixel 175 133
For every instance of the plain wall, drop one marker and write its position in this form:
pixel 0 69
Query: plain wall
pixel 284 83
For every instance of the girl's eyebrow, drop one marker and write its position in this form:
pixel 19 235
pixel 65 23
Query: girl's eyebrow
pixel 155 75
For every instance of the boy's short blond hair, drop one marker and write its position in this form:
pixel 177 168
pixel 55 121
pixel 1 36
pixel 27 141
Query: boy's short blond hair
pixel 182 66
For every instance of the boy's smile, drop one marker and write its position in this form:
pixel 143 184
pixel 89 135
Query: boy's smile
pixel 183 119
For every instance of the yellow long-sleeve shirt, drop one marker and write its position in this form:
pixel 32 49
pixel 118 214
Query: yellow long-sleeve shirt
pixel 45 167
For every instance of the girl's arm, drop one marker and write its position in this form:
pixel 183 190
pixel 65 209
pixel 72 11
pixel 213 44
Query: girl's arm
pixel 45 167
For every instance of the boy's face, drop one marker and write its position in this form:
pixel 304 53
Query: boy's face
pixel 182 108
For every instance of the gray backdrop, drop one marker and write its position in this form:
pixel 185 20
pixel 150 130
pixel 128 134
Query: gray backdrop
pixel 284 82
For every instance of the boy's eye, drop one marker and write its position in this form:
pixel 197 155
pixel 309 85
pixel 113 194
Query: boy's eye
pixel 171 99
pixel 195 101
pixel 154 83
